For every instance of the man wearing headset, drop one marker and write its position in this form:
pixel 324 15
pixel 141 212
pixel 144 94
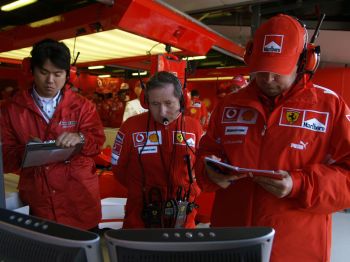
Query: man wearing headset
pixel 65 192
pixel 153 156
pixel 284 123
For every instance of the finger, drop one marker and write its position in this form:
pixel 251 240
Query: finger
pixel 61 138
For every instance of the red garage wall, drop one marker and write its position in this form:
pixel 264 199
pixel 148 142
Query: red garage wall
pixel 336 79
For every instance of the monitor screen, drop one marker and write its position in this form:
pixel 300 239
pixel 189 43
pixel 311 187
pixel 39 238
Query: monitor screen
pixel 31 239
pixel 249 244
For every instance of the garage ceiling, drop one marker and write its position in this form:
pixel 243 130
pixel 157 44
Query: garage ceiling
pixel 235 20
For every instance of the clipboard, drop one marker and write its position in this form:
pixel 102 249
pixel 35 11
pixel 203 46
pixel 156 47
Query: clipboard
pixel 227 169
pixel 42 153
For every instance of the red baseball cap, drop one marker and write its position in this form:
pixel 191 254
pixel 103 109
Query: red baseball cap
pixel 239 81
pixel 277 45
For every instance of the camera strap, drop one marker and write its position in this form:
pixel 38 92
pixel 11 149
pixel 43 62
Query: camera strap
pixel 152 211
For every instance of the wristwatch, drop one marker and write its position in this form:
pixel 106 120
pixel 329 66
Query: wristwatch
pixel 82 137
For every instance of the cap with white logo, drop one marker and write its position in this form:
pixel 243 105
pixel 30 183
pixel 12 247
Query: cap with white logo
pixel 277 45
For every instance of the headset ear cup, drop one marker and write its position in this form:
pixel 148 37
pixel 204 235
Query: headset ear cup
pixel 73 74
pixel 185 101
pixel 312 58
pixel 248 52
pixel 143 100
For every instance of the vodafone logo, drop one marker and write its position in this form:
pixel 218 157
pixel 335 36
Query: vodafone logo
pixel 139 137
pixel 241 115
pixel 231 113
pixel 151 138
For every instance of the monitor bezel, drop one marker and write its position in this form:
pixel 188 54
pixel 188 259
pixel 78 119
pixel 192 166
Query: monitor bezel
pixel 89 241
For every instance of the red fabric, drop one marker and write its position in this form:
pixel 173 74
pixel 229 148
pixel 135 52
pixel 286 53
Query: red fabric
pixel 104 158
pixel 205 202
pixel 198 110
pixel 110 186
pixel 162 164
pixel 67 193
pixel 306 134
pixel 115 113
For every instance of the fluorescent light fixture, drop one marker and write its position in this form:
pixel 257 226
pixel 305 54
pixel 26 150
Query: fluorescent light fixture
pixel 96 67
pixel 17 4
pixel 141 73
pixel 210 78
pixel 47 21
pixel 103 76
pixel 106 45
pixel 200 57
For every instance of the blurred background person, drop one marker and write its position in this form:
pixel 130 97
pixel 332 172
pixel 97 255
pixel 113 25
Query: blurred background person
pixel 238 82
pixel 197 109
pixel 134 107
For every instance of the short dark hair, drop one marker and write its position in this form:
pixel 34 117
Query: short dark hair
pixel 160 79
pixel 194 92
pixel 57 52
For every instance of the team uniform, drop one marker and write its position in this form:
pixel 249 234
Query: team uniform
pixel 65 192
pixel 198 110
pixel 304 131
pixel 149 159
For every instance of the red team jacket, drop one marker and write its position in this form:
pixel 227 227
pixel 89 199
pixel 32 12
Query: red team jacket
pixel 147 154
pixel 67 193
pixel 305 133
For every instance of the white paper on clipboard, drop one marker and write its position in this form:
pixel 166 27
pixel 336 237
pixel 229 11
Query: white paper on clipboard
pixel 38 154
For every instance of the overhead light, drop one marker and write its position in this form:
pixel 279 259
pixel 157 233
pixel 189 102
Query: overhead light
pixel 141 73
pixel 96 67
pixel 47 21
pixel 200 57
pixel 210 78
pixel 16 5
pixel 103 76
pixel 112 44
pixel 223 67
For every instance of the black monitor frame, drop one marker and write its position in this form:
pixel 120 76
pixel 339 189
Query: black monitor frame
pixel 202 244
pixel 2 183
pixel 30 239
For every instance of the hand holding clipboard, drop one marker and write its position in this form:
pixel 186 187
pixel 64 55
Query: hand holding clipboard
pixel 42 153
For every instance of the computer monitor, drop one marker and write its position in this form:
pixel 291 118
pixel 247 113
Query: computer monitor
pixel 25 238
pixel 249 244
pixel 2 183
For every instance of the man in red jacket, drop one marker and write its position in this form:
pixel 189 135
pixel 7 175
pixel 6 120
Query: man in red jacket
pixel 153 156
pixel 281 122
pixel 197 108
pixel 65 192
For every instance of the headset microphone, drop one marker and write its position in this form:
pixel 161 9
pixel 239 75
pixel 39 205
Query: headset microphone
pixel 165 121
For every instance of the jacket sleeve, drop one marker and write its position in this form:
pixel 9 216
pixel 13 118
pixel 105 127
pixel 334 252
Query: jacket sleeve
pixel 12 149
pixel 120 154
pixel 325 187
pixel 209 145
pixel 92 129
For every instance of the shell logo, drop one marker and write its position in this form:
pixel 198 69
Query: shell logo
pixel 248 115
pixel 153 138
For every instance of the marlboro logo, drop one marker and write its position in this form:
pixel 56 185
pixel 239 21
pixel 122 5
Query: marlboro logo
pixel 273 44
